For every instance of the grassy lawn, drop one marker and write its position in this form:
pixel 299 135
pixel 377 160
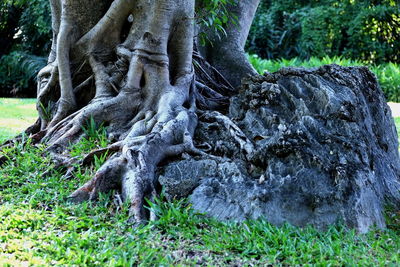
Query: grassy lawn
pixel 15 116
pixel 40 228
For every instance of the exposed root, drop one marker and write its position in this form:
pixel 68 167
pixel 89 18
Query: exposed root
pixel 89 158
pixel 171 138
pixel 154 135
pixel 110 110
pixel 213 90
pixel 135 166
pixel 67 101
pixel 107 178
pixel 143 87
pixel 47 81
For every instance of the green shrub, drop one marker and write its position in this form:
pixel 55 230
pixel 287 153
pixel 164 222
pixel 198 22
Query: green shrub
pixel 365 30
pixel 389 79
pixel 17 73
pixel 388 74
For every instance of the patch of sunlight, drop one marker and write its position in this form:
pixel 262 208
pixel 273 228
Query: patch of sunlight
pixel 15 124
pixel 30 107
pixel 19 252
pixel 16 114
pixel 17 108
pixel 17 101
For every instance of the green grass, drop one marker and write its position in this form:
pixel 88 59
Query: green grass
pixel 40 228
pixel 397 122
pixel 388 74
pixel 15 116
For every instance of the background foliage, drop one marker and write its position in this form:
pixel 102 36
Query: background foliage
pixel 213 15
pixel 366 30
pixel 28 28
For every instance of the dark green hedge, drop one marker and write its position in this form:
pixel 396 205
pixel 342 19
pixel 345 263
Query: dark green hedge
pixel 365 30
pixel 25 31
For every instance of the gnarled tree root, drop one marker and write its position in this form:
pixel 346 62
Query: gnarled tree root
pixel 140 77
pixel 132 168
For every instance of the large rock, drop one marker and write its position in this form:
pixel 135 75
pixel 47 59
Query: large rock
pixel 315 146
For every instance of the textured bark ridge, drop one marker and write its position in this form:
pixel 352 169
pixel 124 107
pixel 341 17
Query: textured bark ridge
pixel 300 146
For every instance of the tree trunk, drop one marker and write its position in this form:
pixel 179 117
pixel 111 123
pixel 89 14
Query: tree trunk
pixel 126 64
pixel 226 53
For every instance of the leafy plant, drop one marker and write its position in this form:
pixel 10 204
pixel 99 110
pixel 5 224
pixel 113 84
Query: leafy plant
pixel 27 33
pixel 96 137
pixel 18 71
pixel 46 111
pixel 363 30
pixel 214 15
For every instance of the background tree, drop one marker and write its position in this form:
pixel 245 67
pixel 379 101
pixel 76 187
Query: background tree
pixel 362 30
pixel 25 38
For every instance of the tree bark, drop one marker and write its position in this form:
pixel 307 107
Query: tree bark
pixel 226 53
pixel 126 64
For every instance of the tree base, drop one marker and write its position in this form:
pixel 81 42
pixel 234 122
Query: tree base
pixel 300 146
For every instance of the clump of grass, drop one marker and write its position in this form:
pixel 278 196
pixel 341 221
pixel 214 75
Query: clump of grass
pixel 39 227
pixel 389 79
pixel 95 137
pixel 46 111
pixel 388 74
